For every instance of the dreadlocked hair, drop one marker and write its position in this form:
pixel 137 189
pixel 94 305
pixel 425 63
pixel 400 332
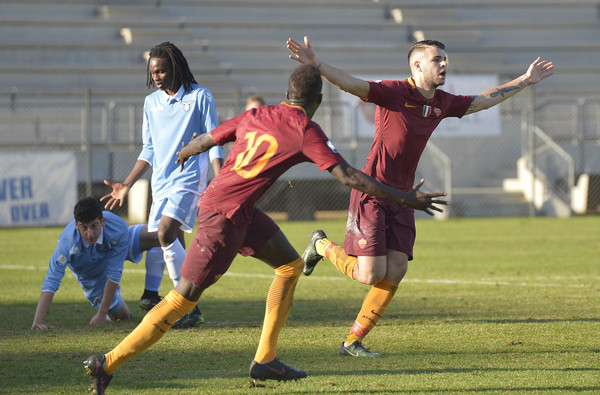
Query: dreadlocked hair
pixel 179 65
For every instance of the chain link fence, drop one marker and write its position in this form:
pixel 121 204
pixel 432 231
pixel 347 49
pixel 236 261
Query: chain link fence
pixel 100 139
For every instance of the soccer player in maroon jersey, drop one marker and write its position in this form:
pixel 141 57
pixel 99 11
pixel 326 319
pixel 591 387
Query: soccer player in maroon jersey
pixel 380 236
pixel 267 141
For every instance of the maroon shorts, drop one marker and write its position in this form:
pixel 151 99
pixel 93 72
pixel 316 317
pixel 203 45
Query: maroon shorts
pixel 217 242
pixel 376 225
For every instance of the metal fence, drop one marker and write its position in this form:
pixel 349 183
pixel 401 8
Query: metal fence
pixel 105 138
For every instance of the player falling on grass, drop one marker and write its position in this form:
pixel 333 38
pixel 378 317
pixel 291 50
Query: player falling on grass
pixel 177 110
pixel 380 235
pixel 94 246
pixel 266 142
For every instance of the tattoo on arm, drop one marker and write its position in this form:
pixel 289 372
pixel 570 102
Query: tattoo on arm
pixel 503 91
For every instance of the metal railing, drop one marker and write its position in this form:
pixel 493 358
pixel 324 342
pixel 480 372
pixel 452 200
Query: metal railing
pixel 550 164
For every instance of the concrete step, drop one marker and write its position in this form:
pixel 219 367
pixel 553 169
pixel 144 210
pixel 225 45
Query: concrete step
pixel 487 202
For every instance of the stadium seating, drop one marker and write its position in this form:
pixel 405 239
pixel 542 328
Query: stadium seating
pixel 245 40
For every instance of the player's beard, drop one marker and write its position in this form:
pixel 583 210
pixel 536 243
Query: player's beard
pixel 434 83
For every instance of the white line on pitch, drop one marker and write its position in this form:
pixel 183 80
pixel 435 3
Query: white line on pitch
pixel 516 282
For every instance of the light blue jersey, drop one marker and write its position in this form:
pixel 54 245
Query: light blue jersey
pixel 91 265
pixel 169 121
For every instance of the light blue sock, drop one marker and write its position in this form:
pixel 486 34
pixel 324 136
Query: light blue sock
pixel 155 268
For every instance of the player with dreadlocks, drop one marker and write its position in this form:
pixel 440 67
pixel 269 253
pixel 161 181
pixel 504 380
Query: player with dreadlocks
pixel 173 114
pixel 181 70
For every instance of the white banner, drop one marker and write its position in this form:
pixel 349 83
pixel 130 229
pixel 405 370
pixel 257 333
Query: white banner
pixel 37 188
pixel 483 123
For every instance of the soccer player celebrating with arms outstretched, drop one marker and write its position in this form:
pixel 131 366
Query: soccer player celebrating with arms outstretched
pixel 380 234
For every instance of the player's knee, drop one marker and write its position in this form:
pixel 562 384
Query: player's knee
pixel 369 275
pixel 122 315
pixel 166 237
pixel 395 273
pixel 373 277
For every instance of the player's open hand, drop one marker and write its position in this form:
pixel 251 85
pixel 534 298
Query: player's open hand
pixel 119 191
pixel 301 53
pixel 98 319
pixel 425 201
pixel 182 157
pixel 539 70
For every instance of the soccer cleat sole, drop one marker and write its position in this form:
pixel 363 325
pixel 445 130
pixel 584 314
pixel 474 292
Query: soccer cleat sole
pixel 310 255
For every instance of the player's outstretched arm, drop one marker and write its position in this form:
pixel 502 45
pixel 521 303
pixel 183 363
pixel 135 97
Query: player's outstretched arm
pixel 198 145
pixel 414 198
pixel 537 71
pixel 304 53
pixel 120 189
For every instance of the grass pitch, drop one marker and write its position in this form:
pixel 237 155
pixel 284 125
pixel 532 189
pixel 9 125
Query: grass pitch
pixel 488 305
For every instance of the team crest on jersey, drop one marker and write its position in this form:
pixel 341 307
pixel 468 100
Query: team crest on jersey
pixel 427 110
pixel 62 260
pixel 187 105
pixel 331 146
pixel 362 243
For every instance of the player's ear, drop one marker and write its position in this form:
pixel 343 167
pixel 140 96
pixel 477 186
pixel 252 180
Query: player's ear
pixel 417 65
pixel 287 95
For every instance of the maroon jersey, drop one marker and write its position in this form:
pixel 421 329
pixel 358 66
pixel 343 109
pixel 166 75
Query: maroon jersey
pixel 267 142
pixel 404 121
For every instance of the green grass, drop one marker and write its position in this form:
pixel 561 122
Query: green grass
pixel 488 305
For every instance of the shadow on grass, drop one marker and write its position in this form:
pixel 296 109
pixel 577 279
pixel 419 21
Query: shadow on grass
pixel 74 316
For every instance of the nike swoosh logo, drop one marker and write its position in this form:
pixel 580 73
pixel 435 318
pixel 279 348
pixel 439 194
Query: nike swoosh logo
pixel 408 105
pixel 373 312
pixel 278 371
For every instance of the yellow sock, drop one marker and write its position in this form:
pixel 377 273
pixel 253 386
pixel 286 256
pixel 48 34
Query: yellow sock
pixel 279 304
pixel 321 244
pixel 336 254
pixel 154 325
pixel 373 308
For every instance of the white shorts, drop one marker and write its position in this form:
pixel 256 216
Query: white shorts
pixel 181 206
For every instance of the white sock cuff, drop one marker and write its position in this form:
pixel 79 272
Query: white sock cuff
pixel 174 247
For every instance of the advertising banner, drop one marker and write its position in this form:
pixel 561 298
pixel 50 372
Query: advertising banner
pixel 37 188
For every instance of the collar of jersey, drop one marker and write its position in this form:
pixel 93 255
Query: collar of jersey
pixel 289 105
pixel 178 96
